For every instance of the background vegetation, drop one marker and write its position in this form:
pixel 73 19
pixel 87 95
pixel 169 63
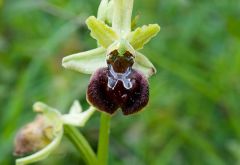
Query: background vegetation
pixel 194 112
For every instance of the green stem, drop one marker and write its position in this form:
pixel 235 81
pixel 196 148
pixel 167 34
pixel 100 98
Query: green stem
pixel 103 139
pixel 81 144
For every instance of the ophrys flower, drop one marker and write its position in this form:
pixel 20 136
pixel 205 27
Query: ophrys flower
pixel 120 71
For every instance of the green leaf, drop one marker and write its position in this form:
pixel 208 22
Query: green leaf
pixel 86 62
pixel 104 34
pixel 139 37
pixel 143 64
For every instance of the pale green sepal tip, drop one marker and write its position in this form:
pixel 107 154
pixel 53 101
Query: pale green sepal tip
pixel 86 62
pixel 143 64
pixel 51 114
pixel 78 119
pixel 109 11
pixel 45 109
pixel 100 31
pixel 75 108
pixel 101 15
pixel 105 11
pixel 142 35
pixel 42 154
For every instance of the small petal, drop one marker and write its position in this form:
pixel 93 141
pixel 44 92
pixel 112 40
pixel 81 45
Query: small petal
pixel 104 34
pixel 75 108
pixel 42 154
pixel 143 64
pixel 79 119
pixel 86 62
pixel 139 37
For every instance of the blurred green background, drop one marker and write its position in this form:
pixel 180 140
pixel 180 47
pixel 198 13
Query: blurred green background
pixel 194 112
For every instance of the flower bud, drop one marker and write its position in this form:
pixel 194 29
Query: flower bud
pixel 33 137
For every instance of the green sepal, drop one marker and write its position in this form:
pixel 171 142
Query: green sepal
pixel 121 19
pixel 143 64
pixel 86 62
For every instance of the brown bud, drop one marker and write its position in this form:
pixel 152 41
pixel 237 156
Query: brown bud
pixel 32 137
pixel 110 99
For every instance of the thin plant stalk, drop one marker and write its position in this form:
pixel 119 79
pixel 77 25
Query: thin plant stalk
pixel 103 143
pixel 81 144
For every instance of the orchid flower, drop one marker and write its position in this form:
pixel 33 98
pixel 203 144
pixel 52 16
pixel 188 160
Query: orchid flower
pixel 119 71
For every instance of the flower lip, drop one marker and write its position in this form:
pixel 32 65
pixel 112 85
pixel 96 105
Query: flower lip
pixel 110 99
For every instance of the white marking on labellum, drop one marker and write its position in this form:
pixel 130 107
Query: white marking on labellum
pixel 114 77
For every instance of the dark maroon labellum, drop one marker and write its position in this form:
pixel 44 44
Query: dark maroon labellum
pixel 130 92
